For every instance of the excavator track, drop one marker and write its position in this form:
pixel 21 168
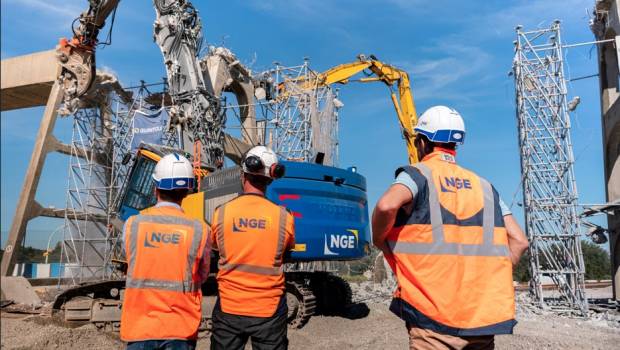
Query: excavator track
pixel 301 302
pixel 333 293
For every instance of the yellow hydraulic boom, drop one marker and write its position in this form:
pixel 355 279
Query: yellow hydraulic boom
pixel 377 71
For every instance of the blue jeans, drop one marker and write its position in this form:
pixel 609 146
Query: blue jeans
pixel 164 344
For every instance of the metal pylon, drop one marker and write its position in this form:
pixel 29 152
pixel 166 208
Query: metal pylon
pixel 549 188
pixel 303 119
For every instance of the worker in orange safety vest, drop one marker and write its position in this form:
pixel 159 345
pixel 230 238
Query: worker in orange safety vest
pixel 168 260
pixel 252 235
pixel 451 243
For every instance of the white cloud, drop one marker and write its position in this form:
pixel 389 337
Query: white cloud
pixel 314 11
pixel 451 64
pixel 65 9
pixel 460 58
pixel 529 13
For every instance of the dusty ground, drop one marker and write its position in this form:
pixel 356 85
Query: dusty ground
pixel 379 329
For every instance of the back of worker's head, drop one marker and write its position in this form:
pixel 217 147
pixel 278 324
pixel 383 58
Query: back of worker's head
pixel 173 177
pixel 439 126
pixel 260 167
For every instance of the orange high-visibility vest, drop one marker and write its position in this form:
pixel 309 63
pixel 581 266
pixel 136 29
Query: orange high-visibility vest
pixel 252 235
pixel 450 254
pixel 163 294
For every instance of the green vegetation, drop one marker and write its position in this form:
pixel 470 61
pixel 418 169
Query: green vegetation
pixel 596 259
pixel 358 267
pixel 34 255
pixel 353 271
pixel 598 264
pixel 521 272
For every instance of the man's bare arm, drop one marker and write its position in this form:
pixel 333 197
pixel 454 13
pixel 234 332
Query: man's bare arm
pixel 384 215
pixel 517 242
pixel 205 260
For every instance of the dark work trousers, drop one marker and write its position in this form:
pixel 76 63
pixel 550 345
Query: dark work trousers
pixel 231 332
pixel 167 344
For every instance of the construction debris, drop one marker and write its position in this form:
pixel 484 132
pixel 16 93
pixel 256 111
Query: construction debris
pixel 19 291
pixel 537 329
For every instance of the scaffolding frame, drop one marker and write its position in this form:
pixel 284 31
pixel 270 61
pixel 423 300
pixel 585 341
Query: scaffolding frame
pixel 302 119
pixel 549 186
pixel 100 140
pixel 99 165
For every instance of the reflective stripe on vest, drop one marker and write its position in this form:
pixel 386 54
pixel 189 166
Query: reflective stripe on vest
pixel 277 268
pixel 187 285
pixel 439 246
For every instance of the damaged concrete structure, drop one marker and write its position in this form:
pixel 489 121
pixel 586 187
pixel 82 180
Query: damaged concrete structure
pixel 606 25
pixel 31 81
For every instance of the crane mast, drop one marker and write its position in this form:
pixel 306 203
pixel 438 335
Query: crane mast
pixel 195 114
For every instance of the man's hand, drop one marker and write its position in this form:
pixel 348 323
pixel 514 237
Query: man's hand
pixel 517 242
pixel 384 215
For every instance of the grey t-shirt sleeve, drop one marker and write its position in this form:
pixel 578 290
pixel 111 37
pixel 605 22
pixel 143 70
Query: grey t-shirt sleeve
pixel 504 207
pixel 404 179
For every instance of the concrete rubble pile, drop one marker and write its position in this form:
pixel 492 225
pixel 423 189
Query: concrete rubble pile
pixel 526 308
pixel 368 291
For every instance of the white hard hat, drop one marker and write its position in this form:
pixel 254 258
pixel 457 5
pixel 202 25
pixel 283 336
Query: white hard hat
pixel 173 172
pixel 442 124
pixel 261 160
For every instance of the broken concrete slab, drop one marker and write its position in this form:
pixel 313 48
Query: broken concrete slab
pixel 27 80
pixel 19 290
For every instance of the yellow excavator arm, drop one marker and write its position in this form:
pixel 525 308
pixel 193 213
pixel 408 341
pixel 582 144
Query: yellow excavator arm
pixel 379 71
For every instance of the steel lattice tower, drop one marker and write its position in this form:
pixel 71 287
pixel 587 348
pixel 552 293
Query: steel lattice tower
pixel 304 118
pixel 549 188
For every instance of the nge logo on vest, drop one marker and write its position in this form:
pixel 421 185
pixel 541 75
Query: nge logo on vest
pixel 242 224
pixel 154 239
pixel 455 183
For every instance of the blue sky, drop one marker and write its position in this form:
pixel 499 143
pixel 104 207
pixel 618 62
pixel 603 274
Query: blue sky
pixel 458 53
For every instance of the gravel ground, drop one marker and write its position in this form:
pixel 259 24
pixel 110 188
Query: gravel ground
pixel 369 325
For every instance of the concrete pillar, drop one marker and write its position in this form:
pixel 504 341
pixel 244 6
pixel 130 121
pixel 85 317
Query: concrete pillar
pixel 29 81
pixel 31 180
pixel 606 26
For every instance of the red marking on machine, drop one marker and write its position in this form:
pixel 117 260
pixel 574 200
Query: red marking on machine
pixel 284 197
